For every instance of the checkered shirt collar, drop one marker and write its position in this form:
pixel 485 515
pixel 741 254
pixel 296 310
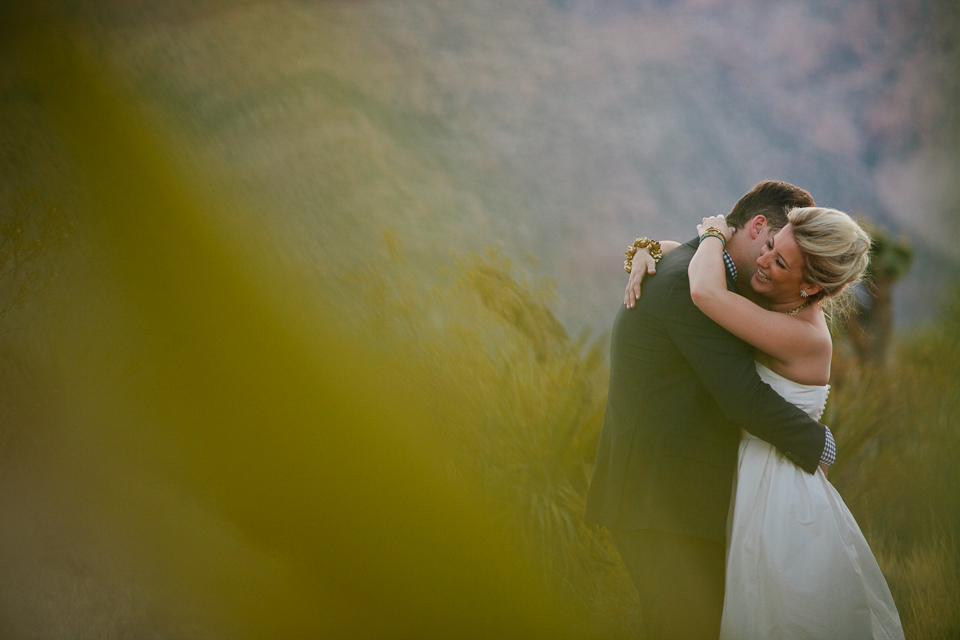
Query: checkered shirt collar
pixel 732 268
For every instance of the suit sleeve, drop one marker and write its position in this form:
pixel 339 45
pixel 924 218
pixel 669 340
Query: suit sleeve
pixel 725 366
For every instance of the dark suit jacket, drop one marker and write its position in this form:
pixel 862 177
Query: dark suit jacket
pixel 681 388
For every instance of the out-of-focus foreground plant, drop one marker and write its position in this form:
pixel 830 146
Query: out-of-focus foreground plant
pixel 522 402
pixel 296 474
pixel 245 452
pixel 31 227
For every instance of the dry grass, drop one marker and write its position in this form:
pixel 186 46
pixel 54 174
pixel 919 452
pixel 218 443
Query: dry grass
pixel 898 432
pixel 524 404
pixel 925 583
pixel 518 401
pixel 519 404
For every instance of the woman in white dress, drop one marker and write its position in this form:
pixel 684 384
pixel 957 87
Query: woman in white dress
pixel 798 565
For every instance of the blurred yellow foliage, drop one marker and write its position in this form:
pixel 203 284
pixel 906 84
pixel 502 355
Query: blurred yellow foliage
pixel 305 442
pixel 411 466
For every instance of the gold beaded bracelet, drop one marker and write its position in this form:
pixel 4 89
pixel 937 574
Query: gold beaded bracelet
pixel 652 247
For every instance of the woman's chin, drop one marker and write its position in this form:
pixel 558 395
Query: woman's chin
pixel 763 288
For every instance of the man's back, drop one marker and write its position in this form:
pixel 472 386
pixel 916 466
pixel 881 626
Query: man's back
pixel 680 389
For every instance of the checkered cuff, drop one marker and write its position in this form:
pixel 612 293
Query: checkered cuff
pixel 829 455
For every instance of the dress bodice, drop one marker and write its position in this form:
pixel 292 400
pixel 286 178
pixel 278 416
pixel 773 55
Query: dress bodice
pixel 811 398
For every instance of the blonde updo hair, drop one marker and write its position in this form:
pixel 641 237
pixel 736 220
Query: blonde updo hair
pixel 836 250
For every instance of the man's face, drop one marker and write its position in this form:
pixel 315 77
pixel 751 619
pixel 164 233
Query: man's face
pixel 753 244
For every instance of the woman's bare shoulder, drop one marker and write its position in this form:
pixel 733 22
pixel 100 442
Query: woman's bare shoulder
pixel 809 361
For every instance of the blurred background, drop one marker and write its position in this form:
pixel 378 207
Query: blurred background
pixel 242 238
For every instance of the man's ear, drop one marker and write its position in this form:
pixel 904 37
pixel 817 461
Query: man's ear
pixel 757 226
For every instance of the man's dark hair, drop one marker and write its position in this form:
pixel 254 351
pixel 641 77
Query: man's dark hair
pixel 773 199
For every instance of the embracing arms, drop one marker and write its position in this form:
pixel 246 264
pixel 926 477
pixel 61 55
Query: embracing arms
pixel 725 367
pixel 724 364
pixel 642 265
pixel 799 342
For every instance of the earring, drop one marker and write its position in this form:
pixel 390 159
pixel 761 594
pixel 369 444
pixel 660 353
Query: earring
pixel 803 294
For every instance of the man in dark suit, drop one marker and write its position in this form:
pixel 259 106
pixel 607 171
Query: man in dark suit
pixel 681 389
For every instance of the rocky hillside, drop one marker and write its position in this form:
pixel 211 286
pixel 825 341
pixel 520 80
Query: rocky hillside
pixel 561 129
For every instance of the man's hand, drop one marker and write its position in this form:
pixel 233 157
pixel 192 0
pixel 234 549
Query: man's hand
pixel 642 265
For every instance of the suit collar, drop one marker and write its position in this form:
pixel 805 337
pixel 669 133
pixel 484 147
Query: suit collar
pixel 730 267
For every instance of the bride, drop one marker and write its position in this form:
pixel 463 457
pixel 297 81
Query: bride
pixel 798 565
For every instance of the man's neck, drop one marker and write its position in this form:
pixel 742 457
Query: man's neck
pixel 736 250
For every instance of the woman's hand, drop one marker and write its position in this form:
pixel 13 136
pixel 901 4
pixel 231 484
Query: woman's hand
pixel 642 265
pixel 716 221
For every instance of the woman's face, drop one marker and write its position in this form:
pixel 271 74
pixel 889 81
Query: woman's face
pixel 780 269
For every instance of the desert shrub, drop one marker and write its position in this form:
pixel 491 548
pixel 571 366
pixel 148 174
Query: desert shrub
pixel 925 582
pixel 898 437
pixel 523 404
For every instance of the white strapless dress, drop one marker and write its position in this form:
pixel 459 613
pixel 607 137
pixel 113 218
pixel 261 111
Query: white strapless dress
pixel 798 566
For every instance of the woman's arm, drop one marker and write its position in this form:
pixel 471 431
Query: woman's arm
pixel 776 334
pixel 642 265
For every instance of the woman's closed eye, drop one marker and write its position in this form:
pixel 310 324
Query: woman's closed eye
pixel 780 263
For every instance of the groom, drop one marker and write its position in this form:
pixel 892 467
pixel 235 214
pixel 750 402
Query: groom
pixel 681 389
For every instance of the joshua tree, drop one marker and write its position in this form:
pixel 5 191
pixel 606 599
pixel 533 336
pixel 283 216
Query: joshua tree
pixel 870 327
